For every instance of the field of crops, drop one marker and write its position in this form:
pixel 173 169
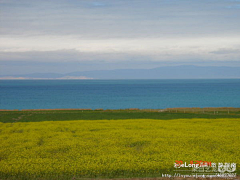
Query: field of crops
pixel 113 148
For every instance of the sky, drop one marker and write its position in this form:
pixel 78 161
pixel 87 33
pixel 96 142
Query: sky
pixel 61 36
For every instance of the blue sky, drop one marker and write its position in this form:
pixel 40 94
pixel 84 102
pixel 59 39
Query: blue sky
pixel 77 35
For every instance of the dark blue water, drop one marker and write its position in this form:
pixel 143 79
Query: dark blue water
pixel 118 94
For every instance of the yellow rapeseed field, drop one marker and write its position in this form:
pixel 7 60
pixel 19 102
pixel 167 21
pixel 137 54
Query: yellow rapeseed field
pixel 113 148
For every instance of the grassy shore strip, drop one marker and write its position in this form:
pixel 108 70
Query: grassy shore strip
pixel 8 116
pixel 63 150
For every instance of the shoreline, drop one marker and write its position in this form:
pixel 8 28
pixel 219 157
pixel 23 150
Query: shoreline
pixel 195 109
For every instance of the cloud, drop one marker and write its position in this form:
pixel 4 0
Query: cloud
pixel 67 48
pixel 119 31
pixel 236 6
pixel 112 19
pixel 227 51
pixel 98 4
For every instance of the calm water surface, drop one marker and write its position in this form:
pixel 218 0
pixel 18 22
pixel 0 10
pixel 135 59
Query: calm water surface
pixel 118 94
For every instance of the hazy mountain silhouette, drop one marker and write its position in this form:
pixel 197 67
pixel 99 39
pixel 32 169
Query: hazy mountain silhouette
pixel 167 72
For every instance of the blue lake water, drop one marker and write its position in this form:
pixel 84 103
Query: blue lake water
pixel 118 94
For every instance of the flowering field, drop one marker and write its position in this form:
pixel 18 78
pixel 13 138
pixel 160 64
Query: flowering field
pixel 113 148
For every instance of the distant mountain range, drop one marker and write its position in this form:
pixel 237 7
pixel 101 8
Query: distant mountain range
pixel 167 72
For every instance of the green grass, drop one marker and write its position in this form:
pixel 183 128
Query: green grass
pixel 37 116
